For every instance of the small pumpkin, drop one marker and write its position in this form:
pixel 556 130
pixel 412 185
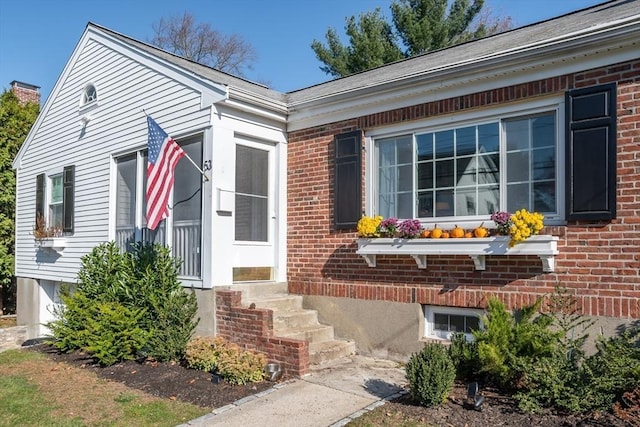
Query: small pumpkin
pixel 445 235
pixel 480 231
pixel 425 233
pixel 436 233
pixel 468 234
pixel 457 232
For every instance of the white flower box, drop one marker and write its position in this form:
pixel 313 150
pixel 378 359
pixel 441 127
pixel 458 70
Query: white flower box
pixel 54 243
pixel 543 246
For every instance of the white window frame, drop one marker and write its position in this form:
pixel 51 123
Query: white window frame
pixel 85 102
pixel 429 323
pixel 502 112
pixel 48 189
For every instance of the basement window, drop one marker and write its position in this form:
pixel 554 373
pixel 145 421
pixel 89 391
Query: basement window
pixel 442 322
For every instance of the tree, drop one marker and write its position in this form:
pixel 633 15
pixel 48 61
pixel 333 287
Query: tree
pixel 420 25
pixel 200 43
pixel 15 121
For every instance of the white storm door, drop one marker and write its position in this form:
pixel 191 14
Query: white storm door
pixel 254 213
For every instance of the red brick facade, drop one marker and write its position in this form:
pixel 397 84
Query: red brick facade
pixel 252 328
pixel 26 92
pixel 599 262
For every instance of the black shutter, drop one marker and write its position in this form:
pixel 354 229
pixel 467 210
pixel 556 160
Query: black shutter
pixel 591 153
pixel 347 188
pixel 39 198
pixel 68 177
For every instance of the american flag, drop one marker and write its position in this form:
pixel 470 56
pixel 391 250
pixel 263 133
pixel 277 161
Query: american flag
pixel 164 154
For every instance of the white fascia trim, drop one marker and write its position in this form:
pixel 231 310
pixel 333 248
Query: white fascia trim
pixel 536 61
pixel 249 102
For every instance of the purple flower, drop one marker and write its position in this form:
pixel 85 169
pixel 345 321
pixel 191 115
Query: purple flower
pixel 503 222
pixel 387 227
pixel 409 228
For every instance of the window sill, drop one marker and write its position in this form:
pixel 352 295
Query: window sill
pixel 54 243
pixel 543 246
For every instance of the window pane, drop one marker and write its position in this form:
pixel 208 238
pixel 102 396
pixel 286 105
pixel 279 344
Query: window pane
pixel 544 131
pixel 444 173
pixel 517 132
pixel 405 178
pixel 386 153
pixel 466 141
pixel 425 146
pixel 444 203
pixel 456 323
pixel 405 205
pixel 544 163
pixel 466 171
pixel 488 138
pixel 56 189
pixel 440 322
pixel 488 200
pixel 404 151
pixel 517 197
pixel 55 216
pixel 518 166
pixel 544 196
pixel 472 324
pixel 425 205
pixel 125 201
pixel 187 210
pixel 444 144
pixel 489 169
pixel 466 201
pixel 425 175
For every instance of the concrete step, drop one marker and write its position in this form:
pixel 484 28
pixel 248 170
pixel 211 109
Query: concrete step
pixel 312 333
pixel 294 319
pixel 252 291
pixel 320 352
pixel 277 302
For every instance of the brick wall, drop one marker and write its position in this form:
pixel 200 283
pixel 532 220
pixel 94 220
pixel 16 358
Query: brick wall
pixel 598 262
pixel 252 328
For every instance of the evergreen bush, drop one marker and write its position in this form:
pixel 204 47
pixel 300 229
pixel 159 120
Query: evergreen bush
pixel 203 353
pixel 431 374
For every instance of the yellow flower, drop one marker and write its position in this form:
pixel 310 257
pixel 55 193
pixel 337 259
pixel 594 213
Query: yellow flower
pixel 368 226
pixel 525 225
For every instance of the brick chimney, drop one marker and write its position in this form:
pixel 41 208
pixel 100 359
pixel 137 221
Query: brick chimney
pixel 26 92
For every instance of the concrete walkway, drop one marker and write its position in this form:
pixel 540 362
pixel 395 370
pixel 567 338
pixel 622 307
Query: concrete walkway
pixel 330 395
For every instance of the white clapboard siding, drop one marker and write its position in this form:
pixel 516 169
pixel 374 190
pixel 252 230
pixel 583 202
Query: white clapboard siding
pixel 125 87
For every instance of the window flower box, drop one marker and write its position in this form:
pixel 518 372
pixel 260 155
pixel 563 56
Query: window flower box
pixel 54 243
pixel 543 246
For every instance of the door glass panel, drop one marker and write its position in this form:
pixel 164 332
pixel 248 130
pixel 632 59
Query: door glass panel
pixel 252 202
pixel 187 210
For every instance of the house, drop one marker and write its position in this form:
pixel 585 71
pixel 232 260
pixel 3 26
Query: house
pixel 544 117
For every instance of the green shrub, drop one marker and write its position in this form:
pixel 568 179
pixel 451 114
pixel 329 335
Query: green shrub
pixel 114 332
pixel 203 353
pixel 464 355
pixel 240 367
pixel 431 374
pixel 511 343
pixel 145 283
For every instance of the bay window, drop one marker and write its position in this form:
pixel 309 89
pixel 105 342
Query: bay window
pixel 182 231
pixel 469 171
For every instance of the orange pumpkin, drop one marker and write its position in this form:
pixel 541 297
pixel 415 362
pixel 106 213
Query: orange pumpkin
pixel 436 233
pixel 457 232
pixel 468 235
pixel 480 231
pixel 425 233
pixel 445 235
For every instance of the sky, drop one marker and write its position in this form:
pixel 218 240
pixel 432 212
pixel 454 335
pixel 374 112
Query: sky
pixel 37 37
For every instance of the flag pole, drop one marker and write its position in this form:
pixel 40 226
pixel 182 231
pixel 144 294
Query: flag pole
pixel 188 158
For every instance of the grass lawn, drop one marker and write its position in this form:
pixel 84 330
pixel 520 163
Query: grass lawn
pixel 36 391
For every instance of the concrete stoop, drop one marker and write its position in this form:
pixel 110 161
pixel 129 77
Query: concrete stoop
pixel 291 320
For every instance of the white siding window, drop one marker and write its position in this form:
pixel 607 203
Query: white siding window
pixel 89 96
pixel 468 170
pixel 55 202
pixel 182 231
pixel 442 322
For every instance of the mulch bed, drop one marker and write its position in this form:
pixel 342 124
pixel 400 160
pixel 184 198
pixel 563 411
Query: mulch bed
pixel 162 379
